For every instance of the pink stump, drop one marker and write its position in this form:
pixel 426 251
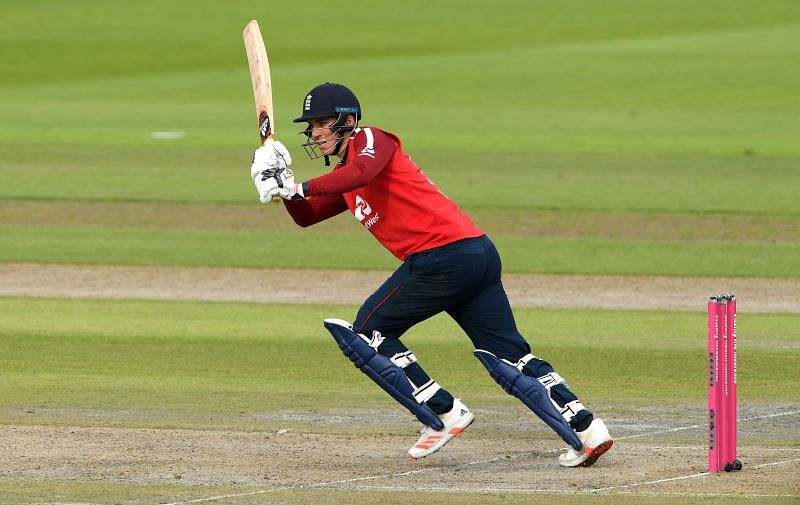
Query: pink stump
pixel 724 386
pixel 722 380
pixel 730 351
pixel 713 385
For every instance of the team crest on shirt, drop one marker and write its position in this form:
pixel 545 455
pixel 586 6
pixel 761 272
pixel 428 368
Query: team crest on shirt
pixel 363 212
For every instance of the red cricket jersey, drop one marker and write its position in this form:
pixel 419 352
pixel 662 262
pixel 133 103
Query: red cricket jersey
pixel 388 194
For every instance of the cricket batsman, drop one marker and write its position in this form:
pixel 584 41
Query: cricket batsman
pixel 448 265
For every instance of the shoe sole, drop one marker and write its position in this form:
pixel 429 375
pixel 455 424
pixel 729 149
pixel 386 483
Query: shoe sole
pixel 596 453
pixel 453 432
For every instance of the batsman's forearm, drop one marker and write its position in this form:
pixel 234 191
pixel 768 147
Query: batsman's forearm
pixel 309 212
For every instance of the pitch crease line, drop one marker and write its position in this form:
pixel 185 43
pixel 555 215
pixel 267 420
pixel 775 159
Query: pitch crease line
pixel 434 489
pixel 682 477
pixel 568 491
pixel 565 491
pixel 696 426
pixel 319 484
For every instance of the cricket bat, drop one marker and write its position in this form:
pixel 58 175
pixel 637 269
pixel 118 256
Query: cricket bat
pixel 262 83
pixel 259 76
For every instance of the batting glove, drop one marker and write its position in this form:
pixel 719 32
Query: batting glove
pixel 271 154
pixel 272 181
pixel 270 170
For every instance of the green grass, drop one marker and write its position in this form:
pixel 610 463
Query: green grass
pixel 615 111
pixel 187 361
pixel 578 76
pixel 356 250
pixel 743 185
pixel 44 491
pixel 67 491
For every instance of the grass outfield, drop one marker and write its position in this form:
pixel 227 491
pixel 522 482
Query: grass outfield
pixel 183 360
pixel 358 251
pixel 569 214
pixel 90 491
pixel 530 76
pixel 688 184
pixel 121 493
pixel 609 112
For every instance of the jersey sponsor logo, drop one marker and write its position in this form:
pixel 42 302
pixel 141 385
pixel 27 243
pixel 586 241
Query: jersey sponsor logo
pixel 371 221
pixel 362 211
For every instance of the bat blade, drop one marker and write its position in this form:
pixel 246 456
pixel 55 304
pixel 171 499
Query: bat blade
pixel 260 78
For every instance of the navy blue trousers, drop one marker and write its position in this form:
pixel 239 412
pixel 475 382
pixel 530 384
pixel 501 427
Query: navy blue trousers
pixel 462 279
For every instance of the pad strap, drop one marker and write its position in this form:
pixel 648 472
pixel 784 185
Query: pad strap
pixel 569 410
pixel 403 359
pixel 426 391
pixel 522 361
pixel 375 341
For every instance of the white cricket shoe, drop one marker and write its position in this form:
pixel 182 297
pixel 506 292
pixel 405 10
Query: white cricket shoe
pixel 432 440
pixel 596 441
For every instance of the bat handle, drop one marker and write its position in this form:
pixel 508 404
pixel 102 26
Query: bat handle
pixel 265 128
